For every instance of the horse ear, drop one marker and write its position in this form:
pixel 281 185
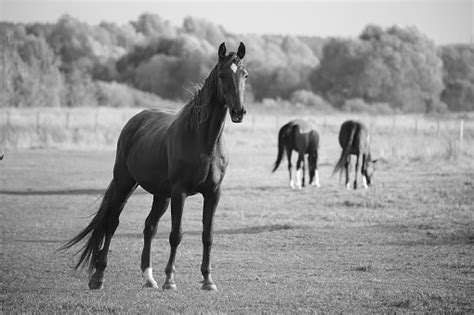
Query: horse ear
pixel 222 51
pixel 241 51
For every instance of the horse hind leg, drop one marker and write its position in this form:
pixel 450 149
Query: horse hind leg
pixel 347 165
pixel 158 208
pixel 290 166
pixel 300 172
pixel 123 188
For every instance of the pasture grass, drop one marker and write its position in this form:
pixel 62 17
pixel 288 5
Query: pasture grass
pixel 404 245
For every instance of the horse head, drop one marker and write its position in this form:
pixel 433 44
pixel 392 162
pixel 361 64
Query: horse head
pixel 232 76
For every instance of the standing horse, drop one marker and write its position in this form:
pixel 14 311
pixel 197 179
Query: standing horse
pixel 171 156
pixel 354 139
pixel 299 135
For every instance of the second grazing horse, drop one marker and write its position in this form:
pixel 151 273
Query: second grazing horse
pixel 354 139
pixel 301 136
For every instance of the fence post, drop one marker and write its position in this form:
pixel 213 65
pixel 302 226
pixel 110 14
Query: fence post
pixel 416 126
pixel 67 119
pixel 7 131
pixel 96 119
pixel 437 127
pixel 461 133
pixel 38 122
pixel 253 122
pixel 8 119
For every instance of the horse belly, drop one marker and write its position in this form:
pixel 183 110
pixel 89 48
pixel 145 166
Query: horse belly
pixel 150 171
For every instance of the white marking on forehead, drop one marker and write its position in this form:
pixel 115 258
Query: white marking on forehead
pixel 233 67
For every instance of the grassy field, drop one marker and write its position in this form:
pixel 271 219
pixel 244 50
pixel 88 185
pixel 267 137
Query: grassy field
pixel 404 245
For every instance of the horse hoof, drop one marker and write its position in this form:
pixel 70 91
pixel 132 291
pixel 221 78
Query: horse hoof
pixel 150 284
pixel 209 287
pixel 96 284
pixel 170 287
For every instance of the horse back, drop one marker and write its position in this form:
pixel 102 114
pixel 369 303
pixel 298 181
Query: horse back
pixel 356 135
pixel 143 129
pixel 141 148
pixel 305 136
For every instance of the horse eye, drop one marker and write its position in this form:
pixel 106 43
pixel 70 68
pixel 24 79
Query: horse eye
pixel 246 75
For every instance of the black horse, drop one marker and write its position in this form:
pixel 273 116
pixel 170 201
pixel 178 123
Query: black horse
pixel 354 139
pixel 171 156
pixel 299 135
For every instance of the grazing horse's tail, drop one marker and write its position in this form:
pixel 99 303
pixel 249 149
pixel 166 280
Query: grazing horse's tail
pixel 96 229
pixel 346 150
pixel 284 131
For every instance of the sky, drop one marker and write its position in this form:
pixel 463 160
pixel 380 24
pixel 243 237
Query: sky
pixel 444 21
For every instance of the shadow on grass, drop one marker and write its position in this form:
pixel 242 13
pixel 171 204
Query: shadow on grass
pixel 30 192
pixel 164 235
pixel 244 230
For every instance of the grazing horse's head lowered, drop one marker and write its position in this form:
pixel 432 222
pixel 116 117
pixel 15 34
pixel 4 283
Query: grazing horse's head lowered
pixel 231 77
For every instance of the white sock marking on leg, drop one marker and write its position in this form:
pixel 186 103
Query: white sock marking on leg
pixel 299 176
pixel 364 181
pixel 148 277
pixel 316 182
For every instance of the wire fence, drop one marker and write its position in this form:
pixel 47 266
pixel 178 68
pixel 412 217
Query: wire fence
pixel 44 127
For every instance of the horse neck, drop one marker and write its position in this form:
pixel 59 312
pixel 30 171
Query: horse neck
pixel 207 113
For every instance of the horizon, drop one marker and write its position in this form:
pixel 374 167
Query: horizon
pixel 445 22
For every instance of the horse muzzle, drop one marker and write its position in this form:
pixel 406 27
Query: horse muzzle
pixel 237 115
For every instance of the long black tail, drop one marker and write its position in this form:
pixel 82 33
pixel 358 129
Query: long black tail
pixel 282 134
pixel 346 150
pixel 96 229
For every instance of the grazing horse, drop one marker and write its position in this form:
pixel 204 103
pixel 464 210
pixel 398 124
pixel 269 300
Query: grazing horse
pixel 171 156
pixel 299 135
pixel 354 139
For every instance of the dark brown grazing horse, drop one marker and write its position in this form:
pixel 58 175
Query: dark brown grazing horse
pixel 299 135
pixel 171 156
pixel 354 139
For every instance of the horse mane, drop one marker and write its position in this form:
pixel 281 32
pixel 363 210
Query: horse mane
pixel 196 111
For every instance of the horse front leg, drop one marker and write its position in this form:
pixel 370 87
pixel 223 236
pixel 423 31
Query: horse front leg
pixel 364 172
pixel 210 204
pixel 356 170
pixel 158 208
pixel 300 171
pixel 316 182
pixel 177 203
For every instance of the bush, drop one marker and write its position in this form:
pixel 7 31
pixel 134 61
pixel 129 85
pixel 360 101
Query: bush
pixel 382 108
pixel 310 99
pixel 115 94
pixel 357 105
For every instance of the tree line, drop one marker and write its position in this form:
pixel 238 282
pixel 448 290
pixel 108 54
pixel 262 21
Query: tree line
pixel 71 63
